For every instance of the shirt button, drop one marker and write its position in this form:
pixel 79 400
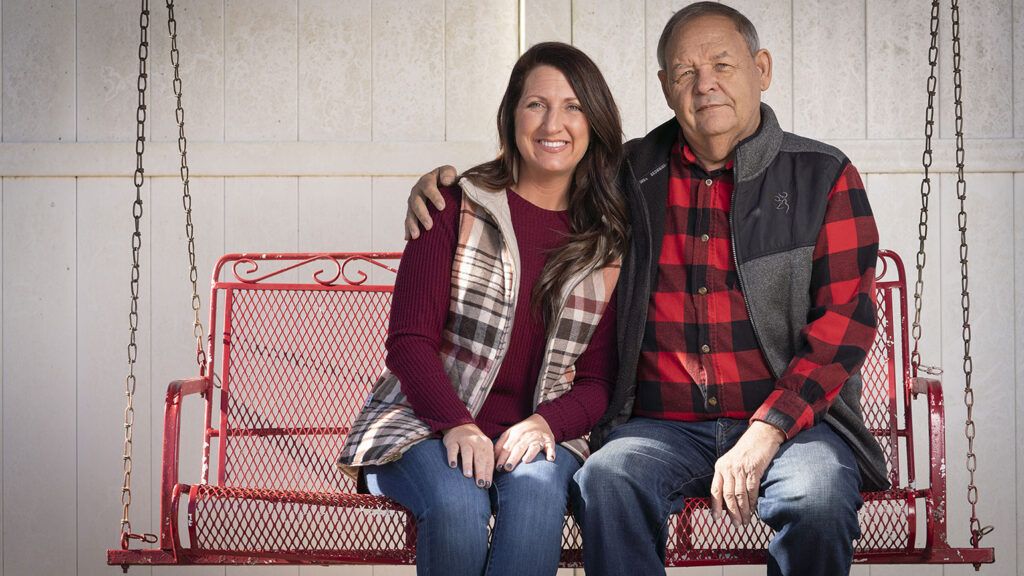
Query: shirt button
pixel 713 401
pixel 709 181
pixel 705 348
pixel 702 290
pixel 704 237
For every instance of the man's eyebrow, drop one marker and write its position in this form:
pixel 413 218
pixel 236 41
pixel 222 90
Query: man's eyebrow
pixel 720 55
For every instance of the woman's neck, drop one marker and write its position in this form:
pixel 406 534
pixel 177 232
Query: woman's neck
pixel 549 193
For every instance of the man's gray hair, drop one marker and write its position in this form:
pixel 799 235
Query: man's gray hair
pixel 699 9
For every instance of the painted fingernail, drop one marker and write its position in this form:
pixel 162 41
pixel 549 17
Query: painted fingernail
pixel 508 467
pixel 452 464
pixel 481 483
pixel 488 485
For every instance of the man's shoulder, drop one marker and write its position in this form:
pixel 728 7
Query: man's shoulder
pixel 796 144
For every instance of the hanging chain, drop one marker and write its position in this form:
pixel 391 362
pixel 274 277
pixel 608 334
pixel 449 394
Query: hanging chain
pixel 977 532
pixel 133 315
pixel 186 196
pixel 926 185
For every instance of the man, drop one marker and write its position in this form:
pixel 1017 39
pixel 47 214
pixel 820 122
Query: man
pixel 746 309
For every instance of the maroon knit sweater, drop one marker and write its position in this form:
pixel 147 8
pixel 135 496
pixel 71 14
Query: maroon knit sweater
pixel 420 308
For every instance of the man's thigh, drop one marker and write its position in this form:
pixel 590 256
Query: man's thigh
pixel 816 468
pixel 671 460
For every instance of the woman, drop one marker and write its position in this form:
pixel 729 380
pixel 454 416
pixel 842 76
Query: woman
pixel 501 343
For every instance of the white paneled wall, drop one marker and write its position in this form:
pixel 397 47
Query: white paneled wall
pixel 307 121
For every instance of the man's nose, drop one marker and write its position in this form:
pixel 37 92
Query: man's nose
pixel 707 80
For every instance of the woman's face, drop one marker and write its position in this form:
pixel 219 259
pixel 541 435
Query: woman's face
pixel 552 133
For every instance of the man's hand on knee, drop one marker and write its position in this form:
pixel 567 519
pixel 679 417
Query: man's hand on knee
pixel 426 188
pixel 739 471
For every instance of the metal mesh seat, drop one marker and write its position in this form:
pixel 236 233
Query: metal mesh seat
pixel 294 361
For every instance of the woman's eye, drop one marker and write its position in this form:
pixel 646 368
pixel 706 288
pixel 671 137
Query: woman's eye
pixel 575 107
pixel 534 105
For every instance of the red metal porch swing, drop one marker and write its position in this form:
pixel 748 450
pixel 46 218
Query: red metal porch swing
pixel 289 369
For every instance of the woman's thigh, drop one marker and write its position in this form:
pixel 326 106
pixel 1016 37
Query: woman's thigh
pixel 422 481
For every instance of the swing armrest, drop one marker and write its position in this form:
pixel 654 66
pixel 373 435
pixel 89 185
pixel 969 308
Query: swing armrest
pixel 936 496
pixel 176 392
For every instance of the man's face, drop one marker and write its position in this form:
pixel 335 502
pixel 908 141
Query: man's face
pixel 713 82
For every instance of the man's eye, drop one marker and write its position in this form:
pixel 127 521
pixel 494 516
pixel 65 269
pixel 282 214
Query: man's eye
pixel 722 67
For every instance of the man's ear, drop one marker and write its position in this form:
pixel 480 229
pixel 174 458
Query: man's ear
pixel 763 62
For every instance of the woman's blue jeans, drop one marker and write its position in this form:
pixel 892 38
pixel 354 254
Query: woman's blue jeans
pixel 809 495
pixel 452 513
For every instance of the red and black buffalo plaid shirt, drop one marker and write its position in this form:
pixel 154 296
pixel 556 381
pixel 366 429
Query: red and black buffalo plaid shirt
pixel 700 359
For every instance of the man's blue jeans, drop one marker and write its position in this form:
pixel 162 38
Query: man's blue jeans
pixel 809 495
pixel 452 513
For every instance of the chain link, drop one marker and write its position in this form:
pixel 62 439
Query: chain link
pixel 133 315
pixel 977 532
pixel 186 196
pixel 926 186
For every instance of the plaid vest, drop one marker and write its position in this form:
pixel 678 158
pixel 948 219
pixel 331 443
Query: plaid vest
pixel 485 283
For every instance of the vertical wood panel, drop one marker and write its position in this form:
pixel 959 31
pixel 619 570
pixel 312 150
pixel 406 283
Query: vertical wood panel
pixel 481 40
pixel 1 139
pixel 104 260
pixel 990 226
pixel 987 50
pixel 548 21
pixel 39 376
pixel 898 37
pixel 39 71
pixel 828 68
pixel 612 33
pixel 261 62
pixel 389 203
pixel 1018 68
pixel 408 70
pixel 656 15
pixel 261 215
pixel 334 70
pixel 172 322
pixel 1018 342
pixel 202 67
pixel 2 180
pixel 334 214
pixel 774 22
pixel 108 68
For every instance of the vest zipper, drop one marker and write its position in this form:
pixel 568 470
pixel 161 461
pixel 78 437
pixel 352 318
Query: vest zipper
pixel 739 275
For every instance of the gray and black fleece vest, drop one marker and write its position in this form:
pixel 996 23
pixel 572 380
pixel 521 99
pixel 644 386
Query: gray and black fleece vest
pixel 782 182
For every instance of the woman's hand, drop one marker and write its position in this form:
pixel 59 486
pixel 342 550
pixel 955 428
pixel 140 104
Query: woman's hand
pixel 523 442
pixel 476 451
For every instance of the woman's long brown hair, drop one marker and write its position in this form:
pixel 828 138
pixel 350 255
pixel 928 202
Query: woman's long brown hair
pixel 598 223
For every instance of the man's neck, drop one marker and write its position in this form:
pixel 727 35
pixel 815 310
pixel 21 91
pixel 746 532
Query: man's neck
pixel 714 152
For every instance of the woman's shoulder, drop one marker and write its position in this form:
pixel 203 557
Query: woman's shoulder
pixel 452 195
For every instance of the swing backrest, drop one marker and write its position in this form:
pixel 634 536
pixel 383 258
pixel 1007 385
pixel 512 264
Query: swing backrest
pixel 299 357
pixel 297 362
